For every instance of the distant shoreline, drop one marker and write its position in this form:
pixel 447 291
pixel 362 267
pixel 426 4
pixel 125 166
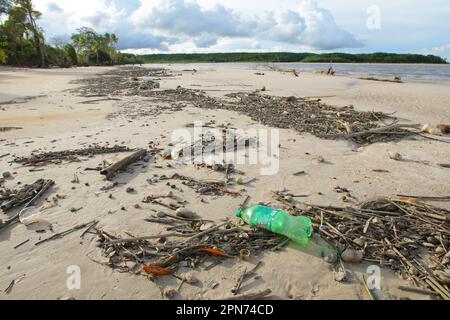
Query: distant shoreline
pixel 334 63
pixel 292 57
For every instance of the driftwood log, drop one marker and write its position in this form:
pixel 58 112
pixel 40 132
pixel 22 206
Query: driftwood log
pixel 112 170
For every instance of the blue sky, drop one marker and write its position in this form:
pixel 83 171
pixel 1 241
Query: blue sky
pixel 146 26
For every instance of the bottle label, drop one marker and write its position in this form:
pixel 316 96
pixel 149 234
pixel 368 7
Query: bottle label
pixel 266 220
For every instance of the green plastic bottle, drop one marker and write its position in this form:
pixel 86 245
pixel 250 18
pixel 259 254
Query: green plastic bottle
pixel 298 229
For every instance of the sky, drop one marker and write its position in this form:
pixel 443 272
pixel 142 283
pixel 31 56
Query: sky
pixel 356 26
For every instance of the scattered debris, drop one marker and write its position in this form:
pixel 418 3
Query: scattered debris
pixel 123 81
pixel 57 157
pixel 301 114
pixel 66 232
pixel 409 238
pixel 27 193
pixel 219 241
pixel 205 187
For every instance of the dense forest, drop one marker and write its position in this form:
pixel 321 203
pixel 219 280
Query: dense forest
pixel 23 43
pixel 293 57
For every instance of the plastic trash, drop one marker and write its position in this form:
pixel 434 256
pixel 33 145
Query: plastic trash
pixel 29 216
pixel 166 154
pixel 298 229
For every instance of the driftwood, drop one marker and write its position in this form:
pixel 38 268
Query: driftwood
pixel 112 170
pixel 99 100
pixel 27 193
pixel 4 129
pixel 395 80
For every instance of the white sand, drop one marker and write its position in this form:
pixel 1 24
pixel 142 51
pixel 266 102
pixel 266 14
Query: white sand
pixel 57 121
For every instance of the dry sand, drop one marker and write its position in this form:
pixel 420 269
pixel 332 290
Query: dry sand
pixel 52 118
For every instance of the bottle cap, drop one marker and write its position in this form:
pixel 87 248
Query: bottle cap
pixel 239 214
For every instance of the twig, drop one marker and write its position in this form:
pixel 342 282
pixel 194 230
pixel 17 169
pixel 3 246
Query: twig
pixel 21 244
pixel 418 290
pixel 89 229
pixel 201 234
pixel 64 233
pixel 11 285
pixel 446 198
pixel 252 296
pixel 139 239
pixel 369 293
pixel 381 130
pixel 238 284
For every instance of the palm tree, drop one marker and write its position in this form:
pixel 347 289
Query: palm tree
pixel 114 41
pixel 79 42
pixel 32 16
pixel 96 47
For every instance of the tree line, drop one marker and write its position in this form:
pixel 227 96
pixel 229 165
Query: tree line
pixel 23 43
pixel 292 57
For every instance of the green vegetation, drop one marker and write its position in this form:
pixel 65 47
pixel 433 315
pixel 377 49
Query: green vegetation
pixel 23 43
pixel 292 57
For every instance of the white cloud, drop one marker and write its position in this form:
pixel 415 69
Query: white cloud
pixel 179 17
pixel 310 26
pixel 321 31
pixel 53 7
pixel 442 51
pixel 172 24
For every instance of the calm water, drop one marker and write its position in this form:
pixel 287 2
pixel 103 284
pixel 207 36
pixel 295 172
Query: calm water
pixel 413 73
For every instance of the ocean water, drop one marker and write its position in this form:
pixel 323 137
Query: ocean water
pixel 408 72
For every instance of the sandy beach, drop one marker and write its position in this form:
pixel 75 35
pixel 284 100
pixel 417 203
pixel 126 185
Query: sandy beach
pixel 52 117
